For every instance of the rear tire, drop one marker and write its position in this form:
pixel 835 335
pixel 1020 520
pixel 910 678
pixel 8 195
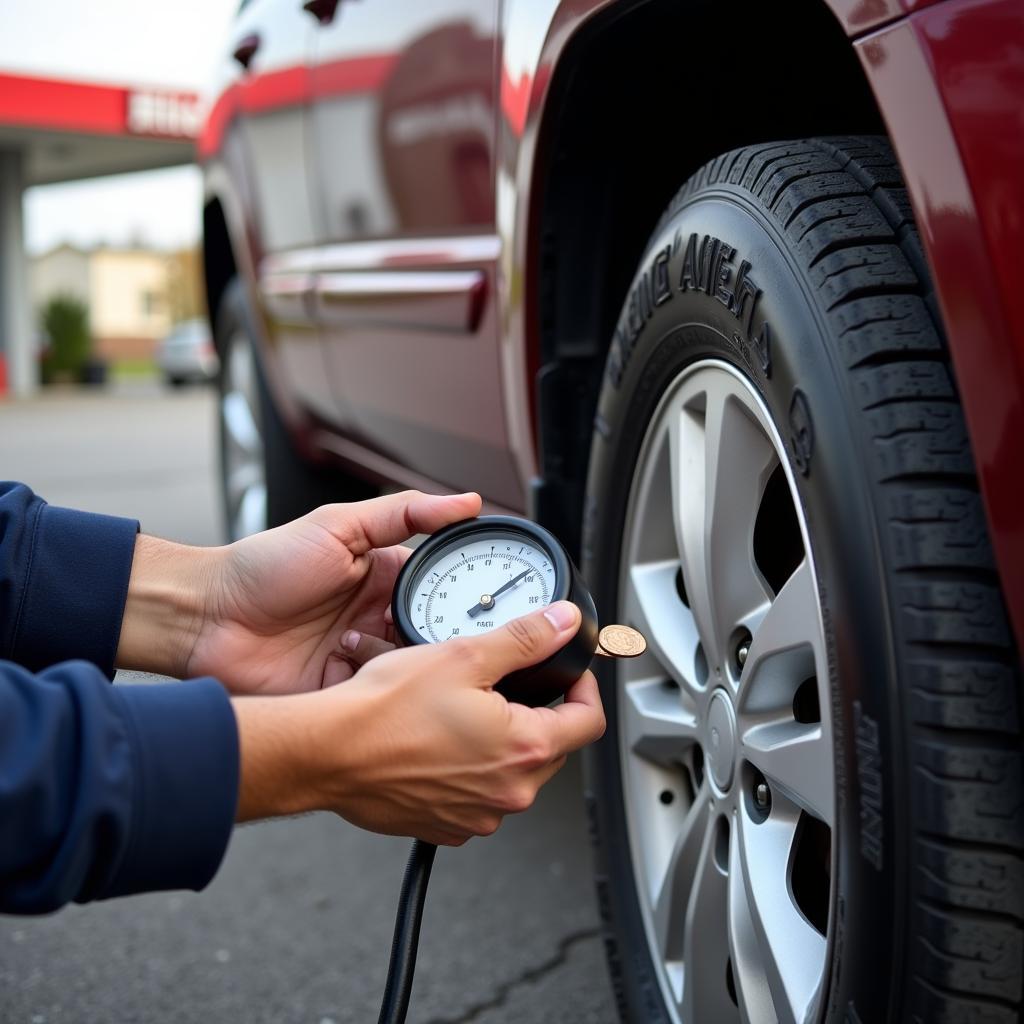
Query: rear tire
pixel 791 276
pixel 264 480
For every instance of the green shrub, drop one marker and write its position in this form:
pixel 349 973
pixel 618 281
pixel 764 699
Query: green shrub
pixel 65 322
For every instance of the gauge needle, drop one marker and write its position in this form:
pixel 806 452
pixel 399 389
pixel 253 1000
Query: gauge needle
pixel 487 600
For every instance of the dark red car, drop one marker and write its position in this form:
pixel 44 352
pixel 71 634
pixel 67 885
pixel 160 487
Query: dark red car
pixel 724 294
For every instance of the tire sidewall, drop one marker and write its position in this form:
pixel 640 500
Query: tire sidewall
pixel 793 367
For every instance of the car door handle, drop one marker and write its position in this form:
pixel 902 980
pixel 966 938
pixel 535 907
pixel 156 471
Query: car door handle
pixel 322 10
pixel 246 49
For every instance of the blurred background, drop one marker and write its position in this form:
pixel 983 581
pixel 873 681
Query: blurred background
pixel 103 352
pixel 99 195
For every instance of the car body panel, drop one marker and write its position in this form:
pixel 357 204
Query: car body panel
pixel 950 84
pixel 403 120
pixel 404 289
pixel 267 105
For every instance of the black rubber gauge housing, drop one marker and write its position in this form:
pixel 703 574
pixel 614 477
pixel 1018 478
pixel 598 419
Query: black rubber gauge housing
pixel 542 683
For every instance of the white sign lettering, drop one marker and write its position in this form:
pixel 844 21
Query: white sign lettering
pixel 163 113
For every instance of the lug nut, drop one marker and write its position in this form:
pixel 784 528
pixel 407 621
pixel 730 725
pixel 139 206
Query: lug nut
pixel 741 653
pixel 762 796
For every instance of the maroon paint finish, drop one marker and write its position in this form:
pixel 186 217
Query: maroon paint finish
pixel 406 157
pixel 950 83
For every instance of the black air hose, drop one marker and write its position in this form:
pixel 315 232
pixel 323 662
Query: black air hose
pixel 402 966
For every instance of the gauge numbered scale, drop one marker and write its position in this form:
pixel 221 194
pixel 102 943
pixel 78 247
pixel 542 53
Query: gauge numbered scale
pixel 475 576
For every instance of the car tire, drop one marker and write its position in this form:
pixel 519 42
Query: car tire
pixel 264 481
pixel 808 804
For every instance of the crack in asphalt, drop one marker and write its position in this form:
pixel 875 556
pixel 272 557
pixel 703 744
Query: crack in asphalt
pixel 525 977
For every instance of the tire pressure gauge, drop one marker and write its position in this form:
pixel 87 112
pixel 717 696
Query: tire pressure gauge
pixel 475 576
pixel 466 580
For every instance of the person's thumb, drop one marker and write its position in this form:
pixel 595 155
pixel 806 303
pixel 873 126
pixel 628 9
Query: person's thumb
pixel 527 640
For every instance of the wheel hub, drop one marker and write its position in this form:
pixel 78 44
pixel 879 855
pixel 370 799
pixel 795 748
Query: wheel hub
pixel 721 739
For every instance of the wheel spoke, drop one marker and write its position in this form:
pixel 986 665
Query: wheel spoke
pixel 673 890
pixel 686 456
pixel 656 725
pixel 245 492
pixel 241 426
pixel 753 994
pixel 252 512
pixel 795 758
pixel 739 462
pixel 721 460
pixel 653 604
pixel 789 623
pixel 241 367
pixel 706 943
pixel 790 952
pixel 241 478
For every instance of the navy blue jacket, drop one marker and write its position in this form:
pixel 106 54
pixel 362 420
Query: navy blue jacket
pixel 104 790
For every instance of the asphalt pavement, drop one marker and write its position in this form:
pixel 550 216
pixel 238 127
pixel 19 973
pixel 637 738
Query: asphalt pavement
pixel 296 927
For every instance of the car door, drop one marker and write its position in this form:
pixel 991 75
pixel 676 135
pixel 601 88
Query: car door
pixel 403 140
pixel 271 42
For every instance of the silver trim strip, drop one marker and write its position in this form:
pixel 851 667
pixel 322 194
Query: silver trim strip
pixel 442 300
pixel 438 300
pixel 390 254
pixel 412 283
pixel 357 285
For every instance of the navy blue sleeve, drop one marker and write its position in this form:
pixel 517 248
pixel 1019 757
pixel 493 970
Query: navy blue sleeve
pixel 104 790
pixel 63 581
pixel 110 790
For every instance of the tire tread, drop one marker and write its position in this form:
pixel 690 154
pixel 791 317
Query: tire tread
pixel 843 206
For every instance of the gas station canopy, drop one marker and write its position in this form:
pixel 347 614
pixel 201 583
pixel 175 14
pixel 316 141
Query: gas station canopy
pixel 55 130
pixel 68 130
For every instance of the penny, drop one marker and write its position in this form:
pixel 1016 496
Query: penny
pixel 617 641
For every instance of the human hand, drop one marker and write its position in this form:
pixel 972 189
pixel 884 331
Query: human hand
pixel 267 613
pixel 418 742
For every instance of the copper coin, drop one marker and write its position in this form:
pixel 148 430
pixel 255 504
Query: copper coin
pixel 621 641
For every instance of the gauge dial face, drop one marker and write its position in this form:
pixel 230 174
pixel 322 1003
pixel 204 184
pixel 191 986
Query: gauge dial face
pixel 474 585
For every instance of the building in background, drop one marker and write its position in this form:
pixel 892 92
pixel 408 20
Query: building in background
pixel 58 130
pixel 134 295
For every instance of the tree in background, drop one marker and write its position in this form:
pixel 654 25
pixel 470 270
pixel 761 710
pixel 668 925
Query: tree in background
pixel 65 323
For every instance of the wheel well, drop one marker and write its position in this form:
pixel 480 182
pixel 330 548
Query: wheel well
pixel 640 100
pixel 218 258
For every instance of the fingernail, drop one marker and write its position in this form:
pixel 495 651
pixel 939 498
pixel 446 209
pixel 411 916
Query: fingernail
pixel 350 641
pixel 561 615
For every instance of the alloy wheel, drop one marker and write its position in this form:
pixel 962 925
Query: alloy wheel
pixel 727 759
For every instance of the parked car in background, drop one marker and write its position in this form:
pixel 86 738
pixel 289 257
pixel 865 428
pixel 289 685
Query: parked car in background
pixel 724 295
pixel 187 354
